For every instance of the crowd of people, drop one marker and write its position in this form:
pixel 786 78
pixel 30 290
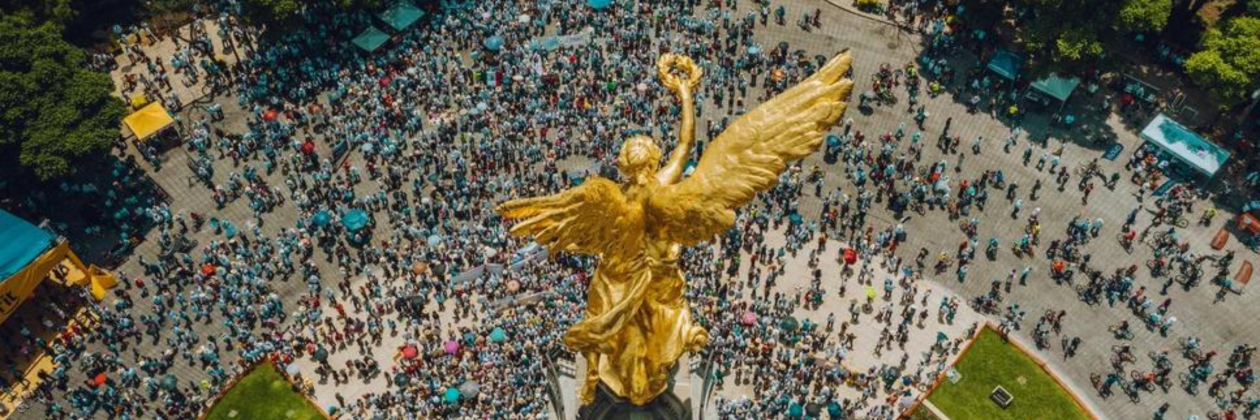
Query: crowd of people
pixel 392 162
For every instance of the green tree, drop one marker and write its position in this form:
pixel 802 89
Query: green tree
pixel 56 11
pixel 1228 64
pixel 272 12
pixel 1144 15
pixel 283 12
pixel 1067 35
pixel 54 112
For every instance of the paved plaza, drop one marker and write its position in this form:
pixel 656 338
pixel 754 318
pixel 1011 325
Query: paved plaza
pixel 450 312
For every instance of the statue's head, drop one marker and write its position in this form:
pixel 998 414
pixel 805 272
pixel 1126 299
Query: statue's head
pixel 639 159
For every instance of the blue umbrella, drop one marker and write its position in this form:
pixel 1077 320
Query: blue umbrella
pixel 321 218
pixel 833 140
pixel 452 395
pixel 494 43
pixel 754 50
pixel 599 4
pixel 795 218
pixel 434 240
pixel 355 220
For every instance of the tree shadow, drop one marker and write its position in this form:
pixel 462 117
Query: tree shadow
pixel 101 210
pixel 962 74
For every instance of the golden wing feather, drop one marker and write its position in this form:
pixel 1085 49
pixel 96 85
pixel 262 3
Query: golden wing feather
pixel 591 218
pixel 748 157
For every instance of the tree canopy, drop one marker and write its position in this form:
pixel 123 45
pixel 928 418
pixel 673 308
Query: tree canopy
pixel 53 110
pixel 284 12
pixel 1228 65
pixel 1072 32
pixel 56 11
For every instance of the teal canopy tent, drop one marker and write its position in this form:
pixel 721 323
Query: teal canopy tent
pixel 1006 64
pixel 401 15
pixel 1056 86
pixel 20 244
pixel 1186 146
pixel 371 39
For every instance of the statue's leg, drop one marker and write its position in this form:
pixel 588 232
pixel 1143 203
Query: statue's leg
pixel 592 377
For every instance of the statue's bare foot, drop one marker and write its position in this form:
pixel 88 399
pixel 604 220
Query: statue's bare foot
pixel 698 338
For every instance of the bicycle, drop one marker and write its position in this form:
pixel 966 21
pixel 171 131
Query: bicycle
pixel 1189 382
pixel 1121 333
pixel 1143 380
pixel 1087 294
pixel 1120 359
pixel 1161 359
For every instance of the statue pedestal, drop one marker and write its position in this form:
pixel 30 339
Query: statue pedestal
pixel 676 403
pixel 668 406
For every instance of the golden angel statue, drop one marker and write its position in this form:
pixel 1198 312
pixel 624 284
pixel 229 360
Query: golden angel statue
pixel 637 323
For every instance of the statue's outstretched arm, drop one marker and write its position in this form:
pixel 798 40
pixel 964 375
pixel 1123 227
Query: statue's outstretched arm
pixel 673 169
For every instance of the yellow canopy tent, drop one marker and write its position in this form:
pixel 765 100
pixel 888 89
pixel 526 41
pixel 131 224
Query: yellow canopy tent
pixel 148 120
pixel 29 255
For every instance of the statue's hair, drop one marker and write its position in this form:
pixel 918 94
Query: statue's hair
pixel 638 154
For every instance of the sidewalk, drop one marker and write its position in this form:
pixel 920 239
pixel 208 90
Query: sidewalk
pixel 164 48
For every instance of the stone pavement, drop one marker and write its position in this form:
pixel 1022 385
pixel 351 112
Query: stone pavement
pixel 1221 325
pixel 183 87
pixel 874 43
pixel 864 354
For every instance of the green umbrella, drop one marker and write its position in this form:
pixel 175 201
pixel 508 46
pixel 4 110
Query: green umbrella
pixel 498 335
pixel 321 354
pixel 170 382
pixel 400 379
pixel 789 323
pixel 452 395
pixel 796 411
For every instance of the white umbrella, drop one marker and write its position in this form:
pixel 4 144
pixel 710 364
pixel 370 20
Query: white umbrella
pixel 523 18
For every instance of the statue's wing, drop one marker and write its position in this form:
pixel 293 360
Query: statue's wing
pixel 590 218
pixel 749 156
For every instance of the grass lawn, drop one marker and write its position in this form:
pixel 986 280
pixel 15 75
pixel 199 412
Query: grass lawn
pixel 263 394
pixel 992 362
pixel 923 414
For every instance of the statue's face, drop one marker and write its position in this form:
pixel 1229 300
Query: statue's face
pixel 640 157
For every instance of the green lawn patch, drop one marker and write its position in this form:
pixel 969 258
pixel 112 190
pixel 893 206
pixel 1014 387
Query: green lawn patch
pixel 263 394
pixel 923 414
pixel 992 362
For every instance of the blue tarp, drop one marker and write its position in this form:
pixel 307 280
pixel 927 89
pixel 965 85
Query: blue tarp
pixel 371 39
pixel 401 15
pixel 1006 64
pixel 1185 145
pixel 1057 87
pixel 20 243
